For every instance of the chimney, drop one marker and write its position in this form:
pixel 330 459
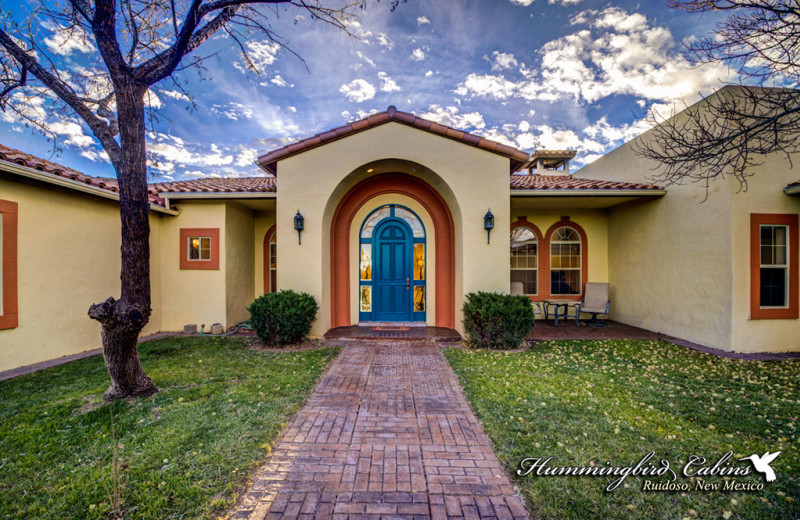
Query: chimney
pixel 551 162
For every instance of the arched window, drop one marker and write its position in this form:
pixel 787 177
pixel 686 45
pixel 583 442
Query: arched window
pixel 565 262
pixel 525 259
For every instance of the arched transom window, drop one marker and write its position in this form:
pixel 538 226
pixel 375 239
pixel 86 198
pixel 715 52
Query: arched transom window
pixel 525 259
pixel 565 262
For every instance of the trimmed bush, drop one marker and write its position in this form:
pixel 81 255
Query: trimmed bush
pixel 283 318
pixel 497 321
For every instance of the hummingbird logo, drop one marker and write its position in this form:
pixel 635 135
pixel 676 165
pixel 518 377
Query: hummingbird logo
pixel 761 464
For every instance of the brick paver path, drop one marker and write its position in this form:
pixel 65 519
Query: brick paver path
pixel 387 434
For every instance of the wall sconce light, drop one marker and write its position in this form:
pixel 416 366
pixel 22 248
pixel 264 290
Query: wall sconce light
pixel 488 224
pixel 299 224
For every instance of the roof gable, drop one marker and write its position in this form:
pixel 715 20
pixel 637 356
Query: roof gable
pixel 269 161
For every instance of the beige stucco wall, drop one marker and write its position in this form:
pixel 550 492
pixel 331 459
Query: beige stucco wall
pixel 594 224
pixel 669 259
pixel 764 195
pixel 68 258
pixel 470 180
pixel 189 295
pixel 239 262
pixel 680 264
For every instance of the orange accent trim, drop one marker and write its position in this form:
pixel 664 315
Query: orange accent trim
pixel 545 260
pixel 210 264
pixel 10 317
pixel 444 231
pixel 267 238
pixel 756 221
pixel 523 222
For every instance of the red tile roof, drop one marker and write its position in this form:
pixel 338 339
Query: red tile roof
pixel 269 160
pixel 569 182
pixel 58 170
pixel 220 185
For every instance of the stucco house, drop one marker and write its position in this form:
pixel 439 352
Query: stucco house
pixel 393 214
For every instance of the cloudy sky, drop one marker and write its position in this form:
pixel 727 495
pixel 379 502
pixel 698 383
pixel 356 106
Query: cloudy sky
pixel 578 74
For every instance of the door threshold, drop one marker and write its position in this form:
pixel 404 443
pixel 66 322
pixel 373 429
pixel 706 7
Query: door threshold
pixel 392 324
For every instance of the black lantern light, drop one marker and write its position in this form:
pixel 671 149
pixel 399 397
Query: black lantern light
pixel 298 225
pixel 488 224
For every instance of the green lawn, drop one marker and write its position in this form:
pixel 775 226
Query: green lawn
pixel 596 401
pixel 188 449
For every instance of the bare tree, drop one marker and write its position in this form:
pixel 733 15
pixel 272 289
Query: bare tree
pixel 730 132
pixel 138 43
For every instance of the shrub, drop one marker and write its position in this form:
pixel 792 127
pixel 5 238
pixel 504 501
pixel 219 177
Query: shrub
pixel 498 321
pixel 283 318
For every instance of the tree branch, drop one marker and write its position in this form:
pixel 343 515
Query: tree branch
pixel 100 129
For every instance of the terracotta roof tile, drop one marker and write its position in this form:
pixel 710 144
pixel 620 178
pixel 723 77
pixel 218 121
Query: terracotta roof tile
pixel 269 160
pixel 58 170
pixel 569 182
pixel 218 185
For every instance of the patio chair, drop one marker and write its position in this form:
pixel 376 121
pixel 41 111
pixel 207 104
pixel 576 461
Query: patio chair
pixel 517 289
pixel 595 301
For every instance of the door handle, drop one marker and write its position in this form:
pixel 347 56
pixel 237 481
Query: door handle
pixel 407 284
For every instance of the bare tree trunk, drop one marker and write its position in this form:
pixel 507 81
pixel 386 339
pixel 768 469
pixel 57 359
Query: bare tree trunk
pixel 124 319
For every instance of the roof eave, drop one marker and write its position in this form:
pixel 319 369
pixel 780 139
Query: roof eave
pixel 588 193
pixel 48 178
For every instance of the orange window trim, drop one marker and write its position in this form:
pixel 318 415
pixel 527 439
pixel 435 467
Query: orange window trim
pixel 267 277
pixel 545 261
pixel 756 221
pixel 210 264
pixel 523 222
pixel 10 317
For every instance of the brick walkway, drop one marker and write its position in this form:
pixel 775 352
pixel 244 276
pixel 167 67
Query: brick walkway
pixel 387 434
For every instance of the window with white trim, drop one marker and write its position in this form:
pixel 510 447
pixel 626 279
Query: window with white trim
pixel 199 248
pixel 273 263
pixel 565 262
pixel 774 266
pixel 525 259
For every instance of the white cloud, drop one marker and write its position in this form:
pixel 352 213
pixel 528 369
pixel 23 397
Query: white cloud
pixel 73 132
pixel 524 3
pixel 358 90
pixel 65 41
pixel 429 74
pixel 422 20
pixel 233 111
pixel 246 157
pixel 616 53
pixel 278 80
pixel 384 41
pixel 261 54
pixel 387 83
pixel 169 150
pixel 564 2
pixel 176 94
pixel 449 116
pixel 418 55
pixel 502 60
pixel 487 85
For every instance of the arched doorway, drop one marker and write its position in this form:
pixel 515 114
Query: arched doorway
pixel 342 220
pixel 270 261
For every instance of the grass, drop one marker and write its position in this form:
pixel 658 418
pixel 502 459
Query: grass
pixel 188 449
pixel 596 401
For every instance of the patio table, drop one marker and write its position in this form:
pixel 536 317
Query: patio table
pixel 560 309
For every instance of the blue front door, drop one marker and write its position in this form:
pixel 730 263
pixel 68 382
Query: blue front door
pixel 392 243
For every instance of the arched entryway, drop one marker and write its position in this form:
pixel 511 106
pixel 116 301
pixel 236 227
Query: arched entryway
pixel 433 203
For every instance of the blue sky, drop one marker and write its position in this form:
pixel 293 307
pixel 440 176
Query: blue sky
pixel 531 73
